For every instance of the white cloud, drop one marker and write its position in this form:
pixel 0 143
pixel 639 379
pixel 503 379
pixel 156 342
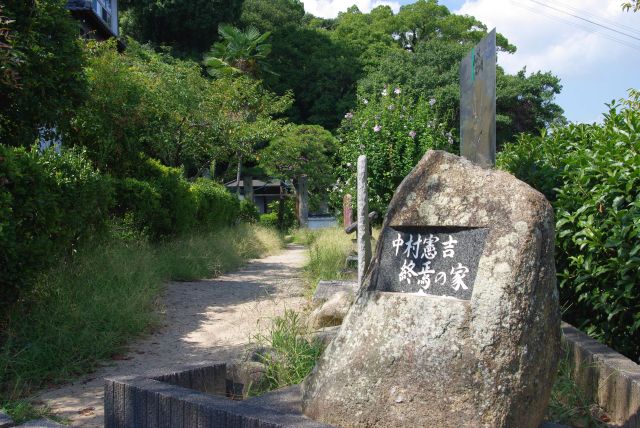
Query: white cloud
pixel 331 8
pixel 549 40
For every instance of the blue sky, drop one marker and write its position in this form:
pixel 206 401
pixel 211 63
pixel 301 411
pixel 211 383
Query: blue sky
pixel 594 68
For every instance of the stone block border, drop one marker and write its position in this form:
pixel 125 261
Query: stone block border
pixel 604 376
pixel 196 396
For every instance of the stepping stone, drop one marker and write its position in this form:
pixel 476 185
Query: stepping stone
pixel 326 289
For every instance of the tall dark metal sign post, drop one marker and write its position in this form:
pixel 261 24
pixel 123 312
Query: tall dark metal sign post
pixel 478 103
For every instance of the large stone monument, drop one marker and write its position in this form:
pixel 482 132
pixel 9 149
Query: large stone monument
pixel 457 322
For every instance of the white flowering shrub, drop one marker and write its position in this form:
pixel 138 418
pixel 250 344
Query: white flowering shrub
pixel 394 132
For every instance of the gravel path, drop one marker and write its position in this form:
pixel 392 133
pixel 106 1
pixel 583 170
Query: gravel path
pixel 204 320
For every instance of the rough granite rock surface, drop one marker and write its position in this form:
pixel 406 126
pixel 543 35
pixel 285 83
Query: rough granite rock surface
pixel 409 360
pixel 331 312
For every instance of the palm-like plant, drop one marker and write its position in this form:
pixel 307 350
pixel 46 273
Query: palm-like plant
pixel 239 52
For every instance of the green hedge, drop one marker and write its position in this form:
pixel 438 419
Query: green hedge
pixel 48 204
pixel 163 203
pixel 51 202
pixel 140 201
pixel 289 218
pixel 216 206
pixel 249 213
pixel 591 173
pixel 178 207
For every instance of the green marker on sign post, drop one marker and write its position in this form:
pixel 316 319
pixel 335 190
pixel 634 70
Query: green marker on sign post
pixel 473 64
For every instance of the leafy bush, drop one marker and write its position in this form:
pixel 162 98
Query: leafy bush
pixel 167 204
pixel 145 101
pixel 269 220
pixel 394 132
pixel 248 212
pixel 592 175
pixel 178 207
pixel 289 218
pixel 216 206
pixel 49 203
pixel 140 200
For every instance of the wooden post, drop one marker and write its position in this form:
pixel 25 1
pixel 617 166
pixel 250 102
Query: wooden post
pixel 347 210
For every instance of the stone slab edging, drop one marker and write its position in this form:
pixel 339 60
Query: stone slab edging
pixel 175 398
pixel 604 376
pixel 145 401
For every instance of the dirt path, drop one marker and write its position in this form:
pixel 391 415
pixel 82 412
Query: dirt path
pixel 204 320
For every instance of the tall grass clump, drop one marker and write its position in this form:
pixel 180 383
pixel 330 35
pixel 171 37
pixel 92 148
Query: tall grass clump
pixel 201 256
pixel 568 404
pixel 328 252
pixel 92 304
pixel 83 310
pixel 304 236
pixel 291 355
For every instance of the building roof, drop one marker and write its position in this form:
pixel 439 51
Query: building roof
pixel 256 183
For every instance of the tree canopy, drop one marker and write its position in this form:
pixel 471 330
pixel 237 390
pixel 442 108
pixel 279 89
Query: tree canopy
pixel 42 72
pixel 301 150
pixel 188 26
pixel 328 63
pixel 240 52
pixel 632 5
pixel 271 15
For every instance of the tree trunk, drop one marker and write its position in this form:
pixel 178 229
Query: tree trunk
pixel 281 207
pixel 303 201
pixel 238 176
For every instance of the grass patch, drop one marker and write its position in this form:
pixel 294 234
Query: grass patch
pixel 196 257
pixel 303 236
pixel 291 355
pixel 568 405
pixel 90 306
pixel 328 251
pixel 23 410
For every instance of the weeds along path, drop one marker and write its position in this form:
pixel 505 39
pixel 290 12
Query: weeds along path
pixel 205 320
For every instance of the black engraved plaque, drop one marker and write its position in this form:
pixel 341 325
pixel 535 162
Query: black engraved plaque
pixel 438 261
